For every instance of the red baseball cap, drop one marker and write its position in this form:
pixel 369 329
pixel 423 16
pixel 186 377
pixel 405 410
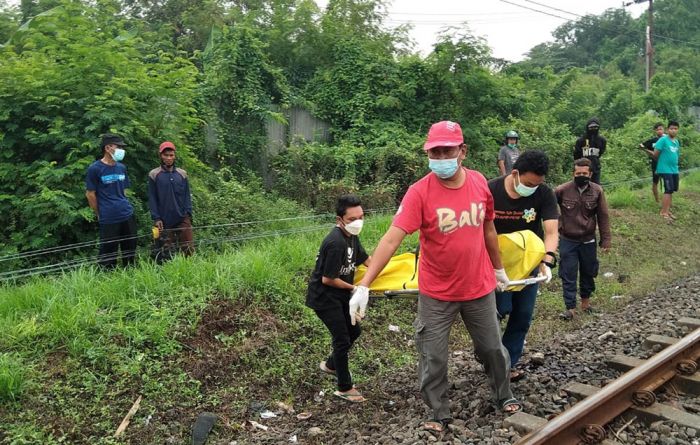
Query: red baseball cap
pixel 444 134
pixel 165 145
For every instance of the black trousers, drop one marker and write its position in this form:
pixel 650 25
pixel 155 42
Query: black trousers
pixel 337 320
pixel 117 236
pixel 576 258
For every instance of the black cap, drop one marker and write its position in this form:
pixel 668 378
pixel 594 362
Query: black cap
pixel 112 139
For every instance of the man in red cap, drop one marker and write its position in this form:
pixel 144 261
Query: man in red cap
pixel 459 269
pixel 170 202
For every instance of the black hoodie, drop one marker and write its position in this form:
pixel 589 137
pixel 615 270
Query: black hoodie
pixel 591 145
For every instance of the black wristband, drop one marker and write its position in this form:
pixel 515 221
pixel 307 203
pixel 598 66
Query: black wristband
pixel 550 265
pixel 554 262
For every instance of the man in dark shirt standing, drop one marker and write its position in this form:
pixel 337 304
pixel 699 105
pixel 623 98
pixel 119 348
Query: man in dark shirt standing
pixel 330 288
pixel 105 185
pixel 522 201
pixel 170 201
pixel 648 147
pixel 591 146
pixel 583 207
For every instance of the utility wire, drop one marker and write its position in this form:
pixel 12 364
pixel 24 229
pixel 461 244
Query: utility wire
pixel 536 10
pixel 62 248
pixel 623 32
pixel 48 268
pixel 553 8
pixel 55 267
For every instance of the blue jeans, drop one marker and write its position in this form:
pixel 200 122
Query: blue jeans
pixel 518 306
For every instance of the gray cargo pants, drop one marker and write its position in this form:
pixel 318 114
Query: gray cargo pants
pixel 433 324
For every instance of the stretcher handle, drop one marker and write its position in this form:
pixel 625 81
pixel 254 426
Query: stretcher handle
pixel 527 281
pixel 406 293
pixel 414 292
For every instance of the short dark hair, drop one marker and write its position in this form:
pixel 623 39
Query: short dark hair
pixel 657 125
pixel 674 123
pixel 534 161
pixel 582 162
pixel 345 202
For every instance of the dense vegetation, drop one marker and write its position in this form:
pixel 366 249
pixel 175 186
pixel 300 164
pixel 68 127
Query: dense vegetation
pixel 210 75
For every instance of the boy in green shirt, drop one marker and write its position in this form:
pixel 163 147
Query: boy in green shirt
pixel 667 151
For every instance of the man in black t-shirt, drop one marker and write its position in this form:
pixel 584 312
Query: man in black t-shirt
pixel 648 147
pixel 522 201
pixel 330 288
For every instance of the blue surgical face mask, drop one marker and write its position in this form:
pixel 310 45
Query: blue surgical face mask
pixel 524 190
pixel 118 154
pixel 513 145
pixel 444 168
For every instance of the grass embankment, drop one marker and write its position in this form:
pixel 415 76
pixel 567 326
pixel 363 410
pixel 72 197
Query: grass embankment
pixel 216 332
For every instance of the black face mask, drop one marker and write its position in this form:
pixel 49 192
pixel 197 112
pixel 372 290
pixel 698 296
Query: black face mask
pixel 581 181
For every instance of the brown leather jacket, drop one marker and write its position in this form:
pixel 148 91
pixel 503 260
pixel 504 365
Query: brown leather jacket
pixel 581 212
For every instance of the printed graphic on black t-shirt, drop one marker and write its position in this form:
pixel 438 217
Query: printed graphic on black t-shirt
pixel 525 213
pixel 338 257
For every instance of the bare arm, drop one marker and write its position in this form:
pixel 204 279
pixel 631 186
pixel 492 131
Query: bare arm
pixel 655 154
pixel 92 201
pixel 491 239
pixel 337 283
pixel 502 167
pixel 382 254
pixel 551 240
pixel 551 235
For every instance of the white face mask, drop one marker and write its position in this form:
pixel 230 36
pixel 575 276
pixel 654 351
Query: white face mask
pixel 118 154
pixel 355 227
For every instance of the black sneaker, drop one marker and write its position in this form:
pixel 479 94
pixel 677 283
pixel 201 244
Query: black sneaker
pixel 567 315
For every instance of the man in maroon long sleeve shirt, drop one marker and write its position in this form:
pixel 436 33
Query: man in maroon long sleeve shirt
pixel 583 208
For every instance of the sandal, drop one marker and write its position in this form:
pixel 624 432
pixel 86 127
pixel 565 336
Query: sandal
pixel 351 395
pixel 516 374
pixel 324 368
pixel 436 426
pixel 513 403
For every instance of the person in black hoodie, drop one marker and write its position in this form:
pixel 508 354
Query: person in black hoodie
pixel 591 146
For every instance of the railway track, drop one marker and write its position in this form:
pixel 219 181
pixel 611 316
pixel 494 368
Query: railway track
pixel 633 393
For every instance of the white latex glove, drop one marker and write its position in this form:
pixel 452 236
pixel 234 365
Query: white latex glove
pixel 502 280
pixel 358 304
pixel 546 271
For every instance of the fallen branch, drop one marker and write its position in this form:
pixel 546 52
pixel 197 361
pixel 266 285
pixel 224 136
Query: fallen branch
pixel 127 418
pixel 623 427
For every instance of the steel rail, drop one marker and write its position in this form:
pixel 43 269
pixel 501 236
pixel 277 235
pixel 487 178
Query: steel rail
pixel 584 422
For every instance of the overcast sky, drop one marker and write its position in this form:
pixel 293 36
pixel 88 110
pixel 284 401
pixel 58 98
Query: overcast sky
pixel 510 30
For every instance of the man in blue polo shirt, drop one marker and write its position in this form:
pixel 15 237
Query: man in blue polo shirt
pixel 667 150
pixel 105 184
pixel 170 202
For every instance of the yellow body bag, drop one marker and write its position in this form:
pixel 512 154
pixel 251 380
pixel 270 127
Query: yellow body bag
pixel 521 253
pixel 400 273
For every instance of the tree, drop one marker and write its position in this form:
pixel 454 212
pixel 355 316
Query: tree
pixel 70 75
pixel 9 21
pixel 239 89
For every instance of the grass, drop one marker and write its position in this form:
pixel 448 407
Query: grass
pixel 12 380
pixel 219 330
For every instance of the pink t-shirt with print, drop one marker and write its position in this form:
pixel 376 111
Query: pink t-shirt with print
pixel 454 263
